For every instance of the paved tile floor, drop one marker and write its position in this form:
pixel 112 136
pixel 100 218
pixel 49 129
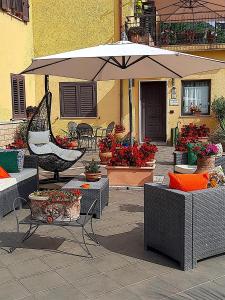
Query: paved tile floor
pixel 52 266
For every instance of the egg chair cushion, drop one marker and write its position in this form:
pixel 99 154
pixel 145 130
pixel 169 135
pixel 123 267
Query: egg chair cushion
pixel 39 137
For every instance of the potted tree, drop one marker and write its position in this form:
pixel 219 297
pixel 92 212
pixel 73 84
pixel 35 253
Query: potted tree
pixel 218 108
pixel 105 146
pixel 205 153
pixel 92 171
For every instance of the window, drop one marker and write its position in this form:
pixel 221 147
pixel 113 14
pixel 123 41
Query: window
pixel 196 93
pixel 78 99
pixel 18 96
pixel 18 8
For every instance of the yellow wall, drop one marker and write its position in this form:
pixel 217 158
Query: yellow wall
pixel 16 51
pixel 217 89
pixel 68 25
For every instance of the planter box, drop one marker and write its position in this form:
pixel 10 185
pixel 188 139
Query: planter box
pixel 129 176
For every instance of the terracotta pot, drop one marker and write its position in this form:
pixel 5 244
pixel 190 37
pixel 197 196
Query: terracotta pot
pixel 129 176
pixel 205 164
pixel 44 210
pixel 73 144
pixel 197 113
pixel 105 157
pixel 203 139
pixel 119 135
pixel 91 177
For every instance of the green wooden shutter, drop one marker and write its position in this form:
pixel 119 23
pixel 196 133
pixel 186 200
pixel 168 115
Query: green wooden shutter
pixel 87 99
pixel 68 100
pixel 18 96
pixel 26 10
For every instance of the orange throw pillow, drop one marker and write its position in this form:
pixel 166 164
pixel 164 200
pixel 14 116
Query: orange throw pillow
pixel 188 182
pixel 3 173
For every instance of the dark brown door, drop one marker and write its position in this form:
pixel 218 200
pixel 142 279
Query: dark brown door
pixel 153 110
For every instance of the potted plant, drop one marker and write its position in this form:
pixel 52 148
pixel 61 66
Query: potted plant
pixel 195 109
pixel 205 153
pixel 72 139
pixel 148 151
pixel 128 166
pixel 203 133
pixel 92 171
pixel 105 146
pixel 55 205
pixel 218 108
pixel 119 132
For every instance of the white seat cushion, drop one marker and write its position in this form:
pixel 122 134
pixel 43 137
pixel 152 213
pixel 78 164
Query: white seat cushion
pixel 23 175
pixel 65 154
pixel 185 169
pixel 42 149
pixel 6 183
pixel 38 137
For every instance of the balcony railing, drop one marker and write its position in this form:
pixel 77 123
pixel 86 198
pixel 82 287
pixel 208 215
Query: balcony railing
pixel 151 30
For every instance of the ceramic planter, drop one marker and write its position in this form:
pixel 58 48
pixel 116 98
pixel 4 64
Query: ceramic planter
pixel 129 176
pixel 47 211
pixel 105 157
pixel 91 177
pixel 205 164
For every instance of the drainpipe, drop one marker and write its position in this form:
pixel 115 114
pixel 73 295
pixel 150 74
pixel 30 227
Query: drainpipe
pixel 120 6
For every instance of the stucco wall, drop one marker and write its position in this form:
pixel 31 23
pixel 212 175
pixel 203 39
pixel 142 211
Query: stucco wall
pixel 68 25
pixel 16 51
pixel 217 89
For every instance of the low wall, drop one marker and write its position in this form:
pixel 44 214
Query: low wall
pixel 7 130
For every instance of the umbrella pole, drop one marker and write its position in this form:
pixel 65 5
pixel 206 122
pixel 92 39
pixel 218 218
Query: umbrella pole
pixel 46 84
pixel 130 111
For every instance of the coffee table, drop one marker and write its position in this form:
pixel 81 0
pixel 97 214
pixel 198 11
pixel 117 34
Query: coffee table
pixel 98 190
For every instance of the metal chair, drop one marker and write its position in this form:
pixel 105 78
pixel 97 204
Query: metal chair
pixel 81 222
pixel 85 135
pixel 104 132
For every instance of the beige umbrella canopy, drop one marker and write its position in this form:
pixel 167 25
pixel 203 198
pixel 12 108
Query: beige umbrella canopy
pixel 122 60
pixel 169 10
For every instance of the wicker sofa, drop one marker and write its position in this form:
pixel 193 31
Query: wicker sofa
pixel 184 226
pixel 20 185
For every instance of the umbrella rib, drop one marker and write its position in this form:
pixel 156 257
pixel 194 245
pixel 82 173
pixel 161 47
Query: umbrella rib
pixel 128 60
pixel 47 65
pixel 202 4
pixel 164 67
pixel 110 62
pixel 136 61
pixel 102 67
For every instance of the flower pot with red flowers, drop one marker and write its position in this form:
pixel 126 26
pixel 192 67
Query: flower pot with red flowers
pixel 196 109
pixel 128 166
pixel 205 153
pixel 55 205
pixel 148 151
pixel 92 171
pixel 119 132
pixel 191 133
pixel 105 146
pixel 73 144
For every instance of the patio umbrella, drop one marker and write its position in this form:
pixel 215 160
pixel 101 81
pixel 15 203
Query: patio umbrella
pixel 122 60
pixel 189 9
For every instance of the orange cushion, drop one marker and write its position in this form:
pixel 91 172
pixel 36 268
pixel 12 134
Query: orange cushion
pixel 189 182
pixel 3 173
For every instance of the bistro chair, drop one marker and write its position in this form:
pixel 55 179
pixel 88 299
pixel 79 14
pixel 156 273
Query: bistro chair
pixel 85 135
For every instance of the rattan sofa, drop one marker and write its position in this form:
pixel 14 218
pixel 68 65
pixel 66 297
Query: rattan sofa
pixel 25 183
pixel 184 226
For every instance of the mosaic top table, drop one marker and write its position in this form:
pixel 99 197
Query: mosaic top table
pixel 98 190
